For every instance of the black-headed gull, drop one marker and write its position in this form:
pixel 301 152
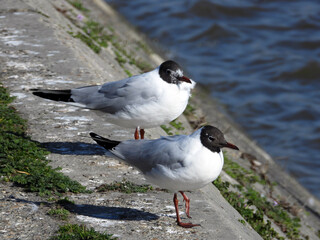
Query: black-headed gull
pixel 142 101
pixel 177 163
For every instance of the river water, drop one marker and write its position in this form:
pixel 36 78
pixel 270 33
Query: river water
pixel 260 59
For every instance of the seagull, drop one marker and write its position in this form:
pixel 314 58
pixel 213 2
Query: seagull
pixel 142 101
pixel 178 163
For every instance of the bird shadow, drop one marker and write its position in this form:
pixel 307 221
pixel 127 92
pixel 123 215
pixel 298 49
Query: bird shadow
pixel 101 212
pixel 74 148
pixel 111 213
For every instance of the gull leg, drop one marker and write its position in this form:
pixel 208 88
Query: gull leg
pixel 142 133
pixel 187 202
pixel 136 134
pixel 181 224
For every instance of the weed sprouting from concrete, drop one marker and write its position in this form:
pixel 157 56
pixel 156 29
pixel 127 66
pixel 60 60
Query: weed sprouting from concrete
pixel 173 124
pixel 242 221
pixel 95 31
pixel 23 161
pixel 128 72
pixel 247 197
pixel 189 110
pixel 64 201
pixel 167 129
pixel 243 176
pixel 290 226
pixel 60 213
pixel 177 125
pixel 124 186
pixel 88 41
pixel 80 232
pixel 78 5
pixel 253 217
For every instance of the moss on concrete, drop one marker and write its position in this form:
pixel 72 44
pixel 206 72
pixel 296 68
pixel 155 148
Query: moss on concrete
pixel 80 232
pixel 125 186
pixel 23 161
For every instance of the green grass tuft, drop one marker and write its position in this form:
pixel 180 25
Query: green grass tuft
pixel 78 4
pixel 243 176
pixel 250 197
pixel 177 125
pixel 253 217
pixel 289 225
pixel 242 221
pixel 128 72
pixel 88 41
pixel 95 32
pixel 190 110
pixel 168 130
pixel 80 232
pixel 60 213
pixel 124 186
pixel 23 161
pixel 64 201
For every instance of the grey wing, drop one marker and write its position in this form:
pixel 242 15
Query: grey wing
pixel 114 96
pixel 147 154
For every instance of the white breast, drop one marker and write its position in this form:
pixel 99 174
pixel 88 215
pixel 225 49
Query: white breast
pixel 169 103
pixel 201 167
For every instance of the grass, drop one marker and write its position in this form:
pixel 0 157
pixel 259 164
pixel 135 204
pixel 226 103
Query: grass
pixel 23 161
pixel 168 130
pixel 174 124
pixel 243 176
pixel 95 31
pixel 119 57
pixel 88 41
pixel 253 217
pixel 177 125
pixel 94 36
pixel 247 197
pixel 78 5
pixel 61 213
pixel 125 187
pixel 64 201
pixel 128 72
pixel 289 225
pixel 80 232
pixel 190 110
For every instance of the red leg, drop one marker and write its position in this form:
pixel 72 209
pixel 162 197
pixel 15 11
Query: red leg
pixel 181 224
pixel 187 202
pixel 136 134
pixel 141 133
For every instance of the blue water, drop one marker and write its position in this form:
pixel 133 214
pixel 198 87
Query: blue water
pixel 261 59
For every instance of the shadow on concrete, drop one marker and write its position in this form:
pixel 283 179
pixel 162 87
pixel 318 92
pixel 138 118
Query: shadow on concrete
pixel 111 213
pixel 100 212
pixel 74 148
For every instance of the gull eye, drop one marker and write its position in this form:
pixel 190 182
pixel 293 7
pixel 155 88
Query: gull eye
pixel 211 138
pixel 168 71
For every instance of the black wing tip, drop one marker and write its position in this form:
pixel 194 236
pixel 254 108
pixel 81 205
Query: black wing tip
pixel 56 95
pixel 104 142
pixel 93 135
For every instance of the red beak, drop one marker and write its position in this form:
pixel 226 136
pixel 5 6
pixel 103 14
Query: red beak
pixel 230 145
pixel 184 79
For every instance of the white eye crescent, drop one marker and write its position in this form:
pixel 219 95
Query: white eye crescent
pixel 211 138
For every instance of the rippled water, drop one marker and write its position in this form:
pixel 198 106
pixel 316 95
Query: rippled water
pixel 259 58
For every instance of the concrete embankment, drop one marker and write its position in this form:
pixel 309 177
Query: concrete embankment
pixel 43 44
